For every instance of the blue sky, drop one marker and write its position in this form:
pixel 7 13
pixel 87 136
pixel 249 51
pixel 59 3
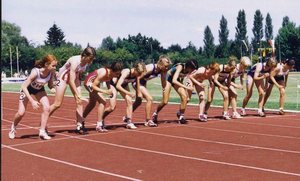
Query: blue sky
pixel 169 21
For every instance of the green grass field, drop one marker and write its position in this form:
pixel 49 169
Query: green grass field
pixel 154 87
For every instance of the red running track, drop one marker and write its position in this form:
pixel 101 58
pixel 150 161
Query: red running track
pixel 251 148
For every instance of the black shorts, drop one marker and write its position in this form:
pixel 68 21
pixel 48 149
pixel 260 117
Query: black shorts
pixel 223 82
pixel 277 78
pixel 33 91
pixel 170 79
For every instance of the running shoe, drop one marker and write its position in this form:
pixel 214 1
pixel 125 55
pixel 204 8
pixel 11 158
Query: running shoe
pixel 226 116
pixel 236 115
pixel 205 116
pixel 202 118
pixel 154 118
pixel 43 135
pixel 181 119
pixel 12 133
pixel 130 125
pixel 261 114
pixel 178 114
pixel 281 112
pixel 80 128
pixel 243 112
pixel 150 123
pixel 101 127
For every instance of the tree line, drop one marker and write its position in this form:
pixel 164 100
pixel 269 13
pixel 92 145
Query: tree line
pixel 141 48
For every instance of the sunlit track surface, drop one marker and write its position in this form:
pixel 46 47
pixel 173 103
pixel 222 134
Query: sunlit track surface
pixel 258 148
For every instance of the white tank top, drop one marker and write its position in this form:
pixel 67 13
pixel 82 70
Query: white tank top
pixel 64 71
pixel 237 72
pixel 39 81
pixel 281 72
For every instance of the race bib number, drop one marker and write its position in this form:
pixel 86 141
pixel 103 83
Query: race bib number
pixel 22 96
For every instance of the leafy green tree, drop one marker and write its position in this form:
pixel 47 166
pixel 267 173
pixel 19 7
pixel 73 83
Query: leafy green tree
pixel 285 21
pixel 11 40
pixel 55 36
pixel 174 48
pixel 222 49
pixel 269 28
pixel 257 30
pixel 108 44
pixel 288 42
pixel 237 47
pixel 209 46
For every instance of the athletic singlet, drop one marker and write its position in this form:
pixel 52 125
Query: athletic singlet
pixel 200 76
pixel 37 85
pixel 281 75
pixel 39 81
pixel 64 71
pixel 90 78
pixel 151 75
pixel 253 68
pixel 129 79
pixel 237 72
pixel 171 72
pixel 223 74
pixel 148 76
pixel 281 72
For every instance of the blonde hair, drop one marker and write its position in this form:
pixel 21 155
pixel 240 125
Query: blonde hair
pixel 140 67
pixel 246 61
pixel 232 63
pixel 271 62
pixel 164 60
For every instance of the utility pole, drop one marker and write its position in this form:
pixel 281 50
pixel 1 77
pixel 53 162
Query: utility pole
pixel 10 56
pixel 18 60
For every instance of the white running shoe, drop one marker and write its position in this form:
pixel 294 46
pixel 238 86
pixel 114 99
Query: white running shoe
pixel 226 116
pixel 43 135
pixel 243 112
pixel 101 127
pixel 12 133
pixel 182 120
pixel 130 125
pixel 150 123
pixel 205 116
pixel 178 114
pixel 261 114
pixel 202 118
pixel 236 115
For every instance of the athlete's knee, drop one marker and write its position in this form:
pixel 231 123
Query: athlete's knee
pixel 46 109
pixel 282 91
pixel 226 97
pixel 261 93
pixel 164 102
pixel 56 105
pixel 184 98
pixel 111 108
pixel 149 99
pixel 201 98
pixel 21 113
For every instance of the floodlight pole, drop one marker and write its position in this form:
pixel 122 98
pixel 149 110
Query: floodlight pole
pixel 18 60
pixel 10 57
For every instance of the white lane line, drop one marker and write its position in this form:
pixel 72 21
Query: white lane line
pixel 194 158
pixel 265 124
pixel 185 157
pixel 243 132
pixel 219 142
pixel 70 137
pixel 71 164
